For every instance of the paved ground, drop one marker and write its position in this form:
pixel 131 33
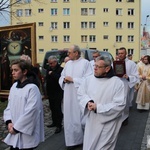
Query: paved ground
pixel 131 137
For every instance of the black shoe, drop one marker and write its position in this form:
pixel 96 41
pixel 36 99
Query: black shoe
pixel 51 125
pixel 58 130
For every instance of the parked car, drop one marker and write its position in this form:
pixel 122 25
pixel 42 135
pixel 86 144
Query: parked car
pixel 61 54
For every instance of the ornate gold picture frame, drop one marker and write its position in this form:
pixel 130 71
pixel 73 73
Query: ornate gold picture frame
pixel 14 41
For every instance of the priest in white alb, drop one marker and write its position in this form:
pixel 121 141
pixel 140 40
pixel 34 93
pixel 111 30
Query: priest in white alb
pixel 130 79
pixel 75 70
pixel 101 96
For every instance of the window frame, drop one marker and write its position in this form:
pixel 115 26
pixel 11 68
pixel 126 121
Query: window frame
pixel 92 24
pixel 92 38
pixel 54 11
pixel 28 12
pixel 84 38
pixel 66 11
pixel 84 11
pixel 19 12
pixel 66 38
pixel 54 38
pixel 119 38
pixel 66 25
pixel 84 25
pixel 119 11
pixel 119 25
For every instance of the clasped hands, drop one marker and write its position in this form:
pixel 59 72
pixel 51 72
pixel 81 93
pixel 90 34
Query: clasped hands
pixel 125 76
pixel 68 79
pixel 10 128
pixel 143 77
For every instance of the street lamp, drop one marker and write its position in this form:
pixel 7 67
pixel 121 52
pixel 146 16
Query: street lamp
pixel 146 20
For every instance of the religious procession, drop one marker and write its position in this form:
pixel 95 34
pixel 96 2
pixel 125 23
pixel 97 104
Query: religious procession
pixel 90 101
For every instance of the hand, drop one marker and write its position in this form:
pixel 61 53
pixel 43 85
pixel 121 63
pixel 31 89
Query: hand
pixel 126 76
pixel 49 72
pixel 10 128
pixel 91 106
pixel 144 77
pixel 68 79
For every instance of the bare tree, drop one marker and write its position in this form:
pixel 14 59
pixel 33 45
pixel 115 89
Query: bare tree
pixel 5 6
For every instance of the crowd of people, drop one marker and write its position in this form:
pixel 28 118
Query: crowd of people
pixel 95 100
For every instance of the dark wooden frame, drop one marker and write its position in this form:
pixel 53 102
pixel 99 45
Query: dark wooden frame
pixel 15 40
pixel 119 68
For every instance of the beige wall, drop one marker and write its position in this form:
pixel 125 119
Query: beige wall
pixel 75 20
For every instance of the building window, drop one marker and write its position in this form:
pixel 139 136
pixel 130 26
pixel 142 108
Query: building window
pixel 105 9
pixel 54 49
pixel 131 51
pixel 118 38
pixel 66 25
pixel 41 37
pixel 40 10
pixel 40 23
pixel 91 11
pixel 84 11
pixel 54 38
pixel 83 25
pixel 92 38
pixel 105 37
pixel 41 50
pixel 118 25
pixel 54 25
pixel 130 12
pixel 92 1
pixel 54 11
pixel 66 38
pixel 130 0
pixel 66 1
pixel 118 11
pixel 130 38
pixel 92 25
pixel 83 38
pixel 105 50
pixel 105 24
pixel 27 1
pixel 19 12
pixel 28 12
pixel 84 1
pixel 130 25
pixel 66 11
pixel 118 0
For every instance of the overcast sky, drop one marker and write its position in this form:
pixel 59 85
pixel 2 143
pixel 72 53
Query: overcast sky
pixel 145 10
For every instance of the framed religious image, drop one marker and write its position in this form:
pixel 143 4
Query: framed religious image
pixel 15 41
pixel 119 68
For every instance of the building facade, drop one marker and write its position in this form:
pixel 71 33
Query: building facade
pixel 94 24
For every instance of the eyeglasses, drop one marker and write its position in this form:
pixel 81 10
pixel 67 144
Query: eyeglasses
pixel 96 66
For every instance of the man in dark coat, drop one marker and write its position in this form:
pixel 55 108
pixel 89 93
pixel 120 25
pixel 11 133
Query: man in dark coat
pixel 54 92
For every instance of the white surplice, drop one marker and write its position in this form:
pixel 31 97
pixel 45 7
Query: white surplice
pixel 77 69
pixel 25 110
pixel 132 72
pixel 102 126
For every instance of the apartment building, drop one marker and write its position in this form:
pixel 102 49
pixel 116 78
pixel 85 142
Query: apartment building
pixel 94 24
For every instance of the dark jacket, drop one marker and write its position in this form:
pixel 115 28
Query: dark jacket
pixel 52 85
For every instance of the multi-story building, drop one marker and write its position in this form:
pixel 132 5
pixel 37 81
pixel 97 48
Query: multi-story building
pixel 95 24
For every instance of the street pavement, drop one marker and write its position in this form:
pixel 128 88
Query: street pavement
pixel 131 137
